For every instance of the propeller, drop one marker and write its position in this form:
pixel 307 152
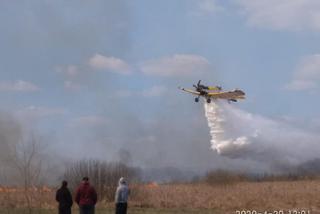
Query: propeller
pixel 198 86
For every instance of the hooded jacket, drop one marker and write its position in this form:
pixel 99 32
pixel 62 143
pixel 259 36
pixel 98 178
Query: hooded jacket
pixel 122 192
pixel 86 195
pixel 63 196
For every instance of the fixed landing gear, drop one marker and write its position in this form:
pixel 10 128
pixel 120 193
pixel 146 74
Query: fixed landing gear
pixel 197 100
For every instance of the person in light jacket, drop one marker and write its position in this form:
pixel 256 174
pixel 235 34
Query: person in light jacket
pixel 121 198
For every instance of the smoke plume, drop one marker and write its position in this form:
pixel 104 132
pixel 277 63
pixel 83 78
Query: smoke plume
pixel 238 134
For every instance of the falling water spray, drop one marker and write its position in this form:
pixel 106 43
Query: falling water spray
pixel 238 134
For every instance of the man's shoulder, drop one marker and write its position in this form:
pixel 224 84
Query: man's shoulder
pixel 60 189
pixel 92 188
pixel 63 189
pixel 79 188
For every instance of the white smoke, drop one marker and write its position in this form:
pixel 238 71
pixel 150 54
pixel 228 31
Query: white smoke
pixel 239 134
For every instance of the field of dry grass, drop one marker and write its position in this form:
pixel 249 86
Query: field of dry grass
pixel 239 196
pixel 261 196
pixel 111 211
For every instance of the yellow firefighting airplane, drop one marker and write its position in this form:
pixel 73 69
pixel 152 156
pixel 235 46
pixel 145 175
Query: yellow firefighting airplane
pixel 214 93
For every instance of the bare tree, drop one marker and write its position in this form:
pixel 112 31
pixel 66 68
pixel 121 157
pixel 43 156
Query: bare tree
pixel 103 175
pixel 26 159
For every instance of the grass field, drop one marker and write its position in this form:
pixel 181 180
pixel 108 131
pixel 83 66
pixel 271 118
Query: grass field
pixel 192 198
pixel 111 211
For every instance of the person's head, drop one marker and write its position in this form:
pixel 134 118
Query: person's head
pixel 64 183
pixel 122 180
pixel 85 179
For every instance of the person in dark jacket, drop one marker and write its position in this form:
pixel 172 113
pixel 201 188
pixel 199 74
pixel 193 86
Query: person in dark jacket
pixel 121 197
pixel 86 197
pixel 64 198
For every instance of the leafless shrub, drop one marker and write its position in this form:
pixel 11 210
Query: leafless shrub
pixel 103 176
pixel 267 177
pixel 223 177
pixel 26 159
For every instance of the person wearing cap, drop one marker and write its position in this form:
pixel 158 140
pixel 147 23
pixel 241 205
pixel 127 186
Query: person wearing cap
pixel 64 198
pixel 86 197
pixel 121 198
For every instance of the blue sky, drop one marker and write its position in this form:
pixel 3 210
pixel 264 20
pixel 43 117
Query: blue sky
pixel 103 71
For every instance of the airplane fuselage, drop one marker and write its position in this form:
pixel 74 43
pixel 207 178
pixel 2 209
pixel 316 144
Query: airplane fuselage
pixel 233 96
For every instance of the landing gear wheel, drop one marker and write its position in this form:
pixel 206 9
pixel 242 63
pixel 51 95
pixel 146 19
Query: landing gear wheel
pixel 208 100
pixel 196 99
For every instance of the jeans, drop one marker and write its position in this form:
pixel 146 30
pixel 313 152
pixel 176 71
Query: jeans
pixel 121 208
pixel 87 209
pixel 64 210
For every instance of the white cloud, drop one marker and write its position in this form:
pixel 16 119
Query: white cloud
pixel 18 86
pixel 176 65
pixel 109 64
pixel 307 74
pixel 282 14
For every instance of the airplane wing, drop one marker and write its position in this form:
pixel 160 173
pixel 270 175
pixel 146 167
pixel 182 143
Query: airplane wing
pixel 190 91
pixel 236 94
